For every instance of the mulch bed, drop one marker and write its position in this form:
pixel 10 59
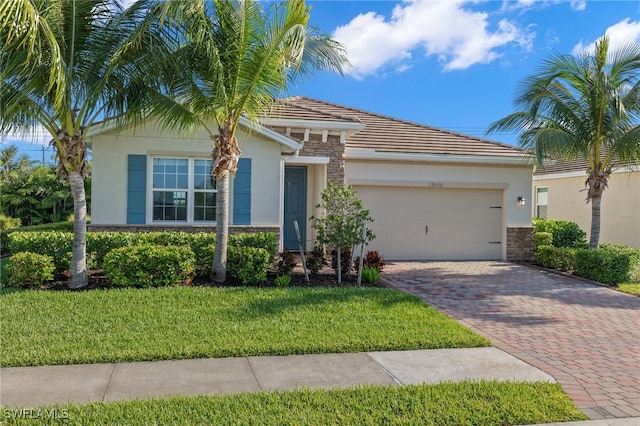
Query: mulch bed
pixel 326 278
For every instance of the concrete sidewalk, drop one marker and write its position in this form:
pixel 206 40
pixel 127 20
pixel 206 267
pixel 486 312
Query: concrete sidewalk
pixel 81 384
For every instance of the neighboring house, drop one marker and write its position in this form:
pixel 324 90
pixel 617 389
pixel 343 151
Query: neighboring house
pixel 560 193
pixel 433 194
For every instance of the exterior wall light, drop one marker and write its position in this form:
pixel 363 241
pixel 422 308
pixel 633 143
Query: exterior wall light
pixel 521 201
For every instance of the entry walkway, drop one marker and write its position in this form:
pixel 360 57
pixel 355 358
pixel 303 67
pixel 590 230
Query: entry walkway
pixel 586 336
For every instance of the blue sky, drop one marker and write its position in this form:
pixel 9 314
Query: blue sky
pixel 455 64
pixel 452 64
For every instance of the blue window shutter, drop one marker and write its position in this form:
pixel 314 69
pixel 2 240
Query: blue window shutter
pixel 242 193
pixel 136 189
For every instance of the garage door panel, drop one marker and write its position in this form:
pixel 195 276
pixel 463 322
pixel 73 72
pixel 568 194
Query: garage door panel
pixel 462 223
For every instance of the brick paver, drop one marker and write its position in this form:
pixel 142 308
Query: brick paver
pixel 586 336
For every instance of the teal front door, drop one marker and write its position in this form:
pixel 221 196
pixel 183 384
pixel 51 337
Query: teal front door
pixel 295 205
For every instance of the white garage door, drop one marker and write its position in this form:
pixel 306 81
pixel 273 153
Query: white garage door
pixel 434 224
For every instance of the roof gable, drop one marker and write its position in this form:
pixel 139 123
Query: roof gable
pixel 109 125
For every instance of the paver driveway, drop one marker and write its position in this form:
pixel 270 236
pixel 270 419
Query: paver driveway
pixel 586 336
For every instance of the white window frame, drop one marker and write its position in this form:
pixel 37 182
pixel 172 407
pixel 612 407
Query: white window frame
pixel 538 188
pixel 191 191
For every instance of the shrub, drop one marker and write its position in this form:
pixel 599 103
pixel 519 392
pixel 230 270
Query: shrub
pixel 102 243
pixel 65 262
pixel 609 264
pixel 372 260
pixel 565 258
pixel 262 240
pixel 316 260
pixel 542 239
pixel 286 262
pixel 370 274
pixel 565 234
pixel 150 265
pixel 544 255
pixel 562 258
pixel 167 238
pixel 58 226
pixel 204 258
pixel 282 280
pixel 248 264
pixel 7 222
pixel 50 243
pixel 29 270
pixel 99 244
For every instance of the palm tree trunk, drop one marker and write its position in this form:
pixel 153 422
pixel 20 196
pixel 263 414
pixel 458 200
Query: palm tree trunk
pixel 219 266
pixel 78 273
pixel 595 221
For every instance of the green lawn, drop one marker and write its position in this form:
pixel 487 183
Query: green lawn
pixel 117 325
pixel 631 288
pixel 477 403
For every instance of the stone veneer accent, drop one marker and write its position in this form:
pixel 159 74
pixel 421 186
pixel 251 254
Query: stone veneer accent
pixel 233 229
pixel 314 147
pixel 520 244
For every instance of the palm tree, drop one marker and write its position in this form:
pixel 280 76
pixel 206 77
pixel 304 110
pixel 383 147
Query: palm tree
pixel 12 163
pixel 65 65
pixel 238 60
pixel 585 107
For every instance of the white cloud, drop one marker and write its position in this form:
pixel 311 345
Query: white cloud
pixel 36 136
pixel 457 36
pixel 577 5
pixel 623 32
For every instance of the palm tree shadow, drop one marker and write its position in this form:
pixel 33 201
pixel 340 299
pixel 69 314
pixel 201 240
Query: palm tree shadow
pixel 277 302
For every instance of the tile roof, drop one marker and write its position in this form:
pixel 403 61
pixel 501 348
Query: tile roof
pixel 559 166
pixel 578 165
pixel 392 135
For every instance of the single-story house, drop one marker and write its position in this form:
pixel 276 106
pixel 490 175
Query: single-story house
pixel 559 193
pixel 433 194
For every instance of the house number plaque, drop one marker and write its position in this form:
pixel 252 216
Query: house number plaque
pixel 436 184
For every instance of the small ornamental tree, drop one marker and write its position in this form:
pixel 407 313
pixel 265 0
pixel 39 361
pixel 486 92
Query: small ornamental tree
pixel 342 226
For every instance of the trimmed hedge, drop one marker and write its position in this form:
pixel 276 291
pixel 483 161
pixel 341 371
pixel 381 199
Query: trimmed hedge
pixel 561 258
pixel 58 226
pixel 263 240
pixel 50 243
pixel 58 245
pixel 542 239
pixel 29 270
pixel 565 234
pixel 150 266
pixel 609 264
pixel 248 264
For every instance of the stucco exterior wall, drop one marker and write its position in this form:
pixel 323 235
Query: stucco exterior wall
pixel 109 180
pixel 515 181
pixel 620 208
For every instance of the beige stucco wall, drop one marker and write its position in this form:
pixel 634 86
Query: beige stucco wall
pixel 109 180
pixel 620 208
pixel 513 181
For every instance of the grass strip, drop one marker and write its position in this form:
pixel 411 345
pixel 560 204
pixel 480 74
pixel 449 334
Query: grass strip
pixel 631 288
pixel 120 325
pixel 467 403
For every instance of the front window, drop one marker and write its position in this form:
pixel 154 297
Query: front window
pixel 183 190
pixel 542 200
